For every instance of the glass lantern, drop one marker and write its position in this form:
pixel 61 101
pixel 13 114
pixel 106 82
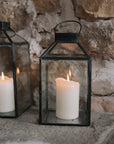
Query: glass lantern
pixel 65 81
pixel 15 82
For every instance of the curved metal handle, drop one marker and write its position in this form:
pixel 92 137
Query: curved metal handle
pixel 68 22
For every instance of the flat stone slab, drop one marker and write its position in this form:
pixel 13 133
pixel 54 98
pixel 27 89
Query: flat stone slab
pixel 26 130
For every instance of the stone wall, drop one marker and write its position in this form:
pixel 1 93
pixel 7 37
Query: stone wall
pixel 35 19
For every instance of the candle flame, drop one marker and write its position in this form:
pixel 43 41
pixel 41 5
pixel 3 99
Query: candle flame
pixel 18 70
pixel 67 77
pixel 70 74
pixel 2 76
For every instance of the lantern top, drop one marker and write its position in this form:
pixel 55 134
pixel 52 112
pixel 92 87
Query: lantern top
pixel 60 48
pixel 4 25
pixel 8 35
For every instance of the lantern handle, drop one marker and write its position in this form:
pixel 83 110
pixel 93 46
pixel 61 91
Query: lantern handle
pixel 68 22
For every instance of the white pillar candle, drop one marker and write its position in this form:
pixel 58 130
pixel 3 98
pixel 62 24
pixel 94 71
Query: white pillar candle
pixel 6 94
pixel 67 99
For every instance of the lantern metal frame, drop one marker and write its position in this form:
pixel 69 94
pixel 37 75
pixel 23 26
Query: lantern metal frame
pixel 65 38
pixel 4 27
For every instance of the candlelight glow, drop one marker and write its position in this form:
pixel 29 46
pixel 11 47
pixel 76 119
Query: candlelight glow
pixel 18 70
pixel 2 76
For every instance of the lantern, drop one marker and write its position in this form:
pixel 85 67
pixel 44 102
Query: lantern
pixel 65 81
pixel 15 91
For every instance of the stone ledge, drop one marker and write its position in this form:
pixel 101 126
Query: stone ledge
pixel 26 130
pixel 102 103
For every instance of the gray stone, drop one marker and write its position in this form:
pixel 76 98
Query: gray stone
pixel 25 130
pixel 103 104
pixel 97 38
pixel 102 77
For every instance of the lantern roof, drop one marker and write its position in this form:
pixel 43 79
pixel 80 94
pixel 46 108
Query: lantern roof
pixel 66 45
pixel 8 35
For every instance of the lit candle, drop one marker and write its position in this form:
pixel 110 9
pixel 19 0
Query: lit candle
pixel 67 98
pixel 6 94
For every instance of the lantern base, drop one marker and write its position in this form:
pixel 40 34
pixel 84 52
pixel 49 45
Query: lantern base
pixel 8 114
pixel 51 119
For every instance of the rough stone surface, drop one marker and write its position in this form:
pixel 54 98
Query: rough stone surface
pixel 103 78
pixel 91 10
pixel 35 19
pixel 15 13
pixel 25 130
pixel 103 104
pixel 43 6
pixel 97 38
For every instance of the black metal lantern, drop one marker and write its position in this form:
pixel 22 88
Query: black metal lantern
pixel 15 83
pixel 65 81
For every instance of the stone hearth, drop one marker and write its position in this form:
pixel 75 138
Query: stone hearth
pixel 26 130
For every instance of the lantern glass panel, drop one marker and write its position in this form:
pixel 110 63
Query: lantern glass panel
pixel 17 39
pixel 66 48
pixel 3 38
pixel 23 77
pixel 6 66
